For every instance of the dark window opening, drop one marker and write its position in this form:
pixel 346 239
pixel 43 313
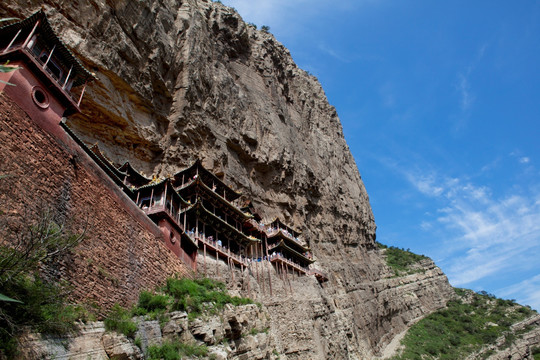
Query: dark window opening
pixel 52 67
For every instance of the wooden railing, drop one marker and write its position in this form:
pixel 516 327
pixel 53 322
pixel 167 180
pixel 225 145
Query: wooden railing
pixel 296 266
pixel 223 250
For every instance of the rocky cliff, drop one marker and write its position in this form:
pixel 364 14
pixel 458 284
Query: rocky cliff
pixel 180 80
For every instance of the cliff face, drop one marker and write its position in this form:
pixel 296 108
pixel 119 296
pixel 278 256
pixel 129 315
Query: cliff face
pixel 180 80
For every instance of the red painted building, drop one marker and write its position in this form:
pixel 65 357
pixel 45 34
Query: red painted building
pixel 50 81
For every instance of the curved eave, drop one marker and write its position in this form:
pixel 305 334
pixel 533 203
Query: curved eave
pixel 107 168
pixel 96 150
pixel 300 255
pixel 284 236
pixel 161 183
pixel 82 75
pixel 283 225
pixel 215 195
pixel 231 194
pixel 240 235
pixel 129 170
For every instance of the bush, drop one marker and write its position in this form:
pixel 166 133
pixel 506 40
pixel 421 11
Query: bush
pixel 174 350
pixel 463 327
pixel 151 302
pixel 195 296
pixel 400 260
pixel 119 319
pixel 27 297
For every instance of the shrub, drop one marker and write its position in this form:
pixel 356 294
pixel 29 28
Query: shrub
pixel 119 319
pixel 463 327
pixel 196 296
pixel 28 298
pixel 174 350
pixel 150 301
pixel 400 260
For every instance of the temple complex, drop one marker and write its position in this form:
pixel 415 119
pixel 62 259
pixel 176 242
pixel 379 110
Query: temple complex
pixel 49 82
pixel 197 213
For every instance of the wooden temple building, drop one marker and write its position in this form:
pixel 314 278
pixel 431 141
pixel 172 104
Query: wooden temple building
pixel 197 213
pixel 200 215
pixel 49 82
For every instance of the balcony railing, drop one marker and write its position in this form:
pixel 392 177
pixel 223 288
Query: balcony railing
pixel 223 250
pixel 279 257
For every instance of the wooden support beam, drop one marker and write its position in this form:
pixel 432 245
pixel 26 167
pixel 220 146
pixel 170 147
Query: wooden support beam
pixel 64 87
pixel 12 41
pixel 31 33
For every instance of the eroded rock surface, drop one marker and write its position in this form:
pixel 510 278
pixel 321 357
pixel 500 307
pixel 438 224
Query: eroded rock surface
pixel 180 80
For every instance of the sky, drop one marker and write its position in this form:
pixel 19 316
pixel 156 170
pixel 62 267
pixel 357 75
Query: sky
pixel 440 106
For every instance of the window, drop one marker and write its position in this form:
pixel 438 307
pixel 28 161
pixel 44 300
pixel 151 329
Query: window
pixel 40 97
pixel 52 67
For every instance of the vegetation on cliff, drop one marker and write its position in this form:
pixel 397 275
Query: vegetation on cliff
pixel 28 251
pixel 197 297
pixel 400 260
pixel 467 324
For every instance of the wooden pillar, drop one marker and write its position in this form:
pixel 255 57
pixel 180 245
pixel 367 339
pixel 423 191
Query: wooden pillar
pixel 232 267
pixel 49 57
pixel 256 263
pixel 64 86
pixel 165 200
pixel 217 262
pixel 82 93
pixel 137 201
pixel 31 33
pixel 185 214
pixel 269 274
pixel 290 286
pixel 204 245
pixel 12 41
pixel 151 198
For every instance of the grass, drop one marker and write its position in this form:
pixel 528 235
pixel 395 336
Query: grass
pixel 401 260
pixel 536 353
pixel 175 350
pixel 201 295
pixel 463 327
pixel 119 319
pixel 193 296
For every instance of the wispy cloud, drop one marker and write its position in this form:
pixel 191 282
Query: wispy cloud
pixel 291 13
pixel 333 53
pixel 464 88
pixel 529 290
pixel 486 236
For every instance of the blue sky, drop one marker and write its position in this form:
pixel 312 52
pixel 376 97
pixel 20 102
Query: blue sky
pixel 440 105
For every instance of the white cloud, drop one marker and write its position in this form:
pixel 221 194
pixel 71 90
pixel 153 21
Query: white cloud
pixel 425 183
pixel 333 53
pixel 464 88
pixel 524 160
pixel 528 290
pixel 486 236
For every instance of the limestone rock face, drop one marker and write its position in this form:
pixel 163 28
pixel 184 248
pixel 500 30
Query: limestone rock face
pixel 250 329
pixel 187 79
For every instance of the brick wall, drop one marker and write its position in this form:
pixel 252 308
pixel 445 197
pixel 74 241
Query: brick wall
pixel 123 251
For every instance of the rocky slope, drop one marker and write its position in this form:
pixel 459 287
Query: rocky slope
pixel 180 80
pixel 244 327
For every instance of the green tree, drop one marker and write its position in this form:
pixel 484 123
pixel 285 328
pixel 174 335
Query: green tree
pixel 28 250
